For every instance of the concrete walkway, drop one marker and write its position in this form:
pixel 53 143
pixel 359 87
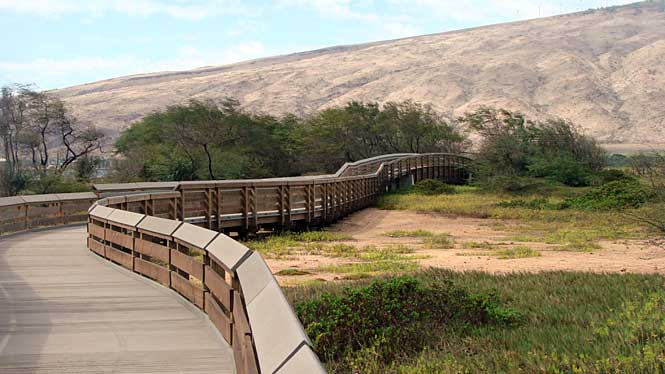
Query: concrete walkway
pixel 63 310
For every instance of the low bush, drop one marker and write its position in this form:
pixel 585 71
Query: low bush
pixel 394 317
pixel 563 169
pixel 514 184
pixel 433 187
pixel 612 195
pixel 620 194
pixel 611 175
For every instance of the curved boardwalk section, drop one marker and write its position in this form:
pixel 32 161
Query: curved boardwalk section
pixel 65 310
pixel 62 309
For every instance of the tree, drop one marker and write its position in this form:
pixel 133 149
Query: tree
pixel 362 130
pixel 209 140
pixel 651 167
pixel 416 128
pixel 12 122
pixel 35 125
pixel 50 126
pixel 511 144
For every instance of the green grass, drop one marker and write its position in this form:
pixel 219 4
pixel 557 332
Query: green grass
pixel 331 250
pixel 572 228
pixel 516 252
pixel 313 242
pixel 439 241
pixel 501 253
pixel 573 323
pixel 377 261
pixel 473 253
pixel 321 236
pixel 408 234
pixel 374 268
pixel 478 245
pixel 292 272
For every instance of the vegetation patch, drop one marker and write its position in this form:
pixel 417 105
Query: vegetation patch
pixel 392 317
pixel 478 245
pixel 408 234
pixel 393 266
pixel 433 187
pixel 292 272
pixel 321 236
pixel 613 195
pixel 569 322
pixel 331 250
pixel 439 241
pixel 311 242
pixel 516 252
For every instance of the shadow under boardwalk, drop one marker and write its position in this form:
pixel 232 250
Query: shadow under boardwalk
pixel 62 310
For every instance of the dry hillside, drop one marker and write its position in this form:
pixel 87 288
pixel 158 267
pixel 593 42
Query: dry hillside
pixel 603 69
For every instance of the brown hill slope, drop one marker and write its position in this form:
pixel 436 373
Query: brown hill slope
pixel 603 69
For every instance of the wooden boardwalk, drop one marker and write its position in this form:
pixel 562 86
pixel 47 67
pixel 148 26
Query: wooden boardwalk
pixel 64 310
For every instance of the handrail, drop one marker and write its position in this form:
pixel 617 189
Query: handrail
pixel 20 213
pixel 154 229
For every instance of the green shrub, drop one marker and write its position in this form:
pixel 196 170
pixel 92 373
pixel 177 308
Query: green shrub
pixel 433 187
pixel 50 182
pixel 611 175
pixel 563 169
pixel 514 184
pixel 613 195
pixel 393 316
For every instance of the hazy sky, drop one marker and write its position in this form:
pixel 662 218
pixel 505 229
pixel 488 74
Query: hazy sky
pixel 59 43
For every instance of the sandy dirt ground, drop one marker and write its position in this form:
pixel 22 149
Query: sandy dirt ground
pixel 368 227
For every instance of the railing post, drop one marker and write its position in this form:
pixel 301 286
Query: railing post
pixel 218 208
pixel 61 213
pixel 288 205
pixel 255 209
pixel 208 202
pixel 280 206
pixel 245 210
pixel 26 217
pixel 324 203
pixel 182 205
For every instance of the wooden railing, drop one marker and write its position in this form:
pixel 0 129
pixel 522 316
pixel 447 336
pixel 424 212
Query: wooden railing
pixel 175 234
pixel 22 213
pixel 177 238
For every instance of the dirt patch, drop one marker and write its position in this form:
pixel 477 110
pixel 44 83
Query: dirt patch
pixel 368 228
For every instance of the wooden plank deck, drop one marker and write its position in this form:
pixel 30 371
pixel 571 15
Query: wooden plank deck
pixel 63 310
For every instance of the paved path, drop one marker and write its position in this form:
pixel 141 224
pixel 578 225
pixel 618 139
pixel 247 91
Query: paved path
pixel 64 310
